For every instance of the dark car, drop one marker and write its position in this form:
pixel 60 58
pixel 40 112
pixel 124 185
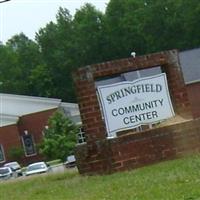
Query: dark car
pixel 70 161
pixel 5 173
pixel 15 167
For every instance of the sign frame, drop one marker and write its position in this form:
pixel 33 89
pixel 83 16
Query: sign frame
pixel 105 107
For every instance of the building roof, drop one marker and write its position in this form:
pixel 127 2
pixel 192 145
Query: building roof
pixel 190 64
pixel 14 106
pixel 71 110
pixel 6 120
pixel 189 61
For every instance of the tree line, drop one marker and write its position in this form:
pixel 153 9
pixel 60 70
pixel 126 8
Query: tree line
pixel 44 66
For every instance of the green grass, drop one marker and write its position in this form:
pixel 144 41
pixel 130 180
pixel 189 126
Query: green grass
pixel 172 180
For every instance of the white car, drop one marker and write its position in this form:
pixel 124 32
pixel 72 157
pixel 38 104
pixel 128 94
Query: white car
pixel 37 168
pixel 15 167
pixel 5 173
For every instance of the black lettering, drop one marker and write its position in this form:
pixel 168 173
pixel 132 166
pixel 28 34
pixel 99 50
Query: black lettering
pixel 149 115
pixel 125 120
pixel 158 88
pixel 139 88
pixel 148 88
pixel 133 90
pixel 117 95
pixel 121 111
pixel 154 114
pixel 161 102
pixel 114 112
pixel 112 96
pixel 132 119
pixel 128 109
pixel 137 118
pixel 108 99
pixel 127 91
pixel 148 105
pixel 135 108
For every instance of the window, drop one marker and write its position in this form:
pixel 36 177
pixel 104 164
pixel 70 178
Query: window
pixel 81 136
pixel 28 144
pixel 2 157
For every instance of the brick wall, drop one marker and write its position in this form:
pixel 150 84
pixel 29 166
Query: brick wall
pixel 194 97
pixel 136 150
pixel 99 154
pixel 34 123
pixel 9 137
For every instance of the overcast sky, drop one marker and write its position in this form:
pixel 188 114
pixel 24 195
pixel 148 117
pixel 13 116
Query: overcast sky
pixel 28 16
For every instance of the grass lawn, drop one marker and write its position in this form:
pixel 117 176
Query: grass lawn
pixel 172 180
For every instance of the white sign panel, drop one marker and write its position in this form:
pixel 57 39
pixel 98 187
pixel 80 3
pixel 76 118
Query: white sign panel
pixel 128 105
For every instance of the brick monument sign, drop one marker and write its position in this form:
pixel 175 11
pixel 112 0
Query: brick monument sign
pixel 114 141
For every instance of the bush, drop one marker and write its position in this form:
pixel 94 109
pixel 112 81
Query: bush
pixel 60 138
pixel 16 153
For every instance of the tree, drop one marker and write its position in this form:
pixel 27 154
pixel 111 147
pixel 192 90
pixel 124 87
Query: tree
pixel 19 56
pixel 60 137
pixel 70 43
pixel 89 38
pixel 40 82
pixel 44 67
pixel 8 70
pixel 151 25
pixel 56 44
pixel 123 24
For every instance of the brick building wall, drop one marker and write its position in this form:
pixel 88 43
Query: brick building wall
pixel 100 155
pixel 9 138
pixel 34 124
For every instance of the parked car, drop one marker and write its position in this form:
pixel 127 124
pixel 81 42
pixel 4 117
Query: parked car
pixel 37 168
pixel 15 167
pixel 70 161
pixel 5 173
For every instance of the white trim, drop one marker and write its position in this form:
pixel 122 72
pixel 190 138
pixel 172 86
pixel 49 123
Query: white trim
pixel 3 152
pixel 7 120
pixel 69 105
pixel 32 98
pixel 18 105
pixel 81 136
pixel 25 146
pixel 71 109
pixel 192 82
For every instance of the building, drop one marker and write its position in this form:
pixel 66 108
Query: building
pixel 190 64
pixel 22 121
pixel 71 110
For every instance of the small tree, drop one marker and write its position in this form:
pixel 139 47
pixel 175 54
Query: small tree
pixel 60 137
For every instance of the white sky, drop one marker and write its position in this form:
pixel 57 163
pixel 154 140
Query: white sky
pixel 28 16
